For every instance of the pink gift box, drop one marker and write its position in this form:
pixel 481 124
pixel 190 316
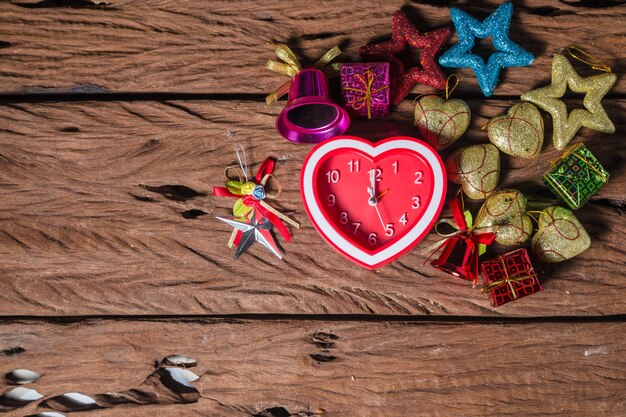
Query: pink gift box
pixel 365 89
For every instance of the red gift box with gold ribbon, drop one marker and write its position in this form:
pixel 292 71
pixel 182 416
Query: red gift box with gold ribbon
pixel 509 277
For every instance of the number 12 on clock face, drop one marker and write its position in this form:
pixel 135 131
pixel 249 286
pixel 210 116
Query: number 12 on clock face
pixel 374 201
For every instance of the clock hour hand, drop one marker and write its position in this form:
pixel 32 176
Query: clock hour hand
pixel 372 189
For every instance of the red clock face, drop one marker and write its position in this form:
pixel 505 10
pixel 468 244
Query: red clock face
pixel 373 203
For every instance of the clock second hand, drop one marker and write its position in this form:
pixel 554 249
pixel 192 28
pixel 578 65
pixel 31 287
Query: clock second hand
pixel 382 194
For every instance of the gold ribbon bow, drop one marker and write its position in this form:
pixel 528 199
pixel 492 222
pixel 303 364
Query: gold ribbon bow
pixel 291 66
pixel 507 280
pixel 457 231
pixel 366 99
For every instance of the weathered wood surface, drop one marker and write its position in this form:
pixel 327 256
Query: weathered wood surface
pixel 213 47
pixel 330 369
pixel 81 231
pixel 105 209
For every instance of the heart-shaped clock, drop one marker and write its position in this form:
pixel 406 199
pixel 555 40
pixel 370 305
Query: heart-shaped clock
pixel 373 202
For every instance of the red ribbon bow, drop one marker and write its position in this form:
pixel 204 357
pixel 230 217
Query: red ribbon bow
pixel 266 168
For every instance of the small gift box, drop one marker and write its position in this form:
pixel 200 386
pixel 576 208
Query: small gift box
pixel 365 89
pixel 509 277
pixel 576 176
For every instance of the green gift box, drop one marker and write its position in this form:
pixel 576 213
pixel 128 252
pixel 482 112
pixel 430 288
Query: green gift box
pixel 576 176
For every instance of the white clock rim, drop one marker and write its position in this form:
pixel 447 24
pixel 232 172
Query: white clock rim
pixel 374 150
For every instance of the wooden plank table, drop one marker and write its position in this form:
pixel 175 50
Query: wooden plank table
pixel 117 119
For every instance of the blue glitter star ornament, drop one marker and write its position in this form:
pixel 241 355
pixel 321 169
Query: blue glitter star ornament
pixel 508 53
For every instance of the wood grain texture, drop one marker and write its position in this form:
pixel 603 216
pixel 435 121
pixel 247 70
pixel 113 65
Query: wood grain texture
pixel 105 209
pixel 202 47
pixel 81 232
pixel 370 369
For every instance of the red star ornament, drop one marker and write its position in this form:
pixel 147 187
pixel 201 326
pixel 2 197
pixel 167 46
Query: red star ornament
pixel 403 35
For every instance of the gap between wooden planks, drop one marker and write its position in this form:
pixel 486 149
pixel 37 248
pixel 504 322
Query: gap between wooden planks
pixel 332 369
pixel 80 234
pixel 189 46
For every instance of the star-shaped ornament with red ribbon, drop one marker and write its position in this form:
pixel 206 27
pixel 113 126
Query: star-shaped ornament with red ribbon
pixel 403 77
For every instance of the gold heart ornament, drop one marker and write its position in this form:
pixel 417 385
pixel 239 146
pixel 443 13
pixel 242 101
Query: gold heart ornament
pixel 441 122
pixel 504 213
pixel 476 168
pixel 560 237
pixel 519 132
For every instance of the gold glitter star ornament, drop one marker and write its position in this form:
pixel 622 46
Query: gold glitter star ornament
pixel 566 125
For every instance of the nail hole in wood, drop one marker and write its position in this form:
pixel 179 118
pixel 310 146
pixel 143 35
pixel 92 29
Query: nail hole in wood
pixel 323 357
pixel 144 198
pixel 13 351
pixel 193 213
pixel 273 412
pixel 173 191
pixel 324 340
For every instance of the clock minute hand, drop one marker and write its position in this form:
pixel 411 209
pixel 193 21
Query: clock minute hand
pixel 382 222
pixel 373 200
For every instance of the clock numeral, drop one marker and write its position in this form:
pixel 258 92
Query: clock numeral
pixel 356 227
pixel 344 218
pixel 378 173
pixel 389 230
pixel 331 199
pixel 416 202
pixel 418 177
pixel 355 165
pixel 373 239
pixel 333 176
pixel 404 219
pixel 395 167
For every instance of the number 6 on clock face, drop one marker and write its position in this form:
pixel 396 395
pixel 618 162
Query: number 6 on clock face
pixel 373 203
